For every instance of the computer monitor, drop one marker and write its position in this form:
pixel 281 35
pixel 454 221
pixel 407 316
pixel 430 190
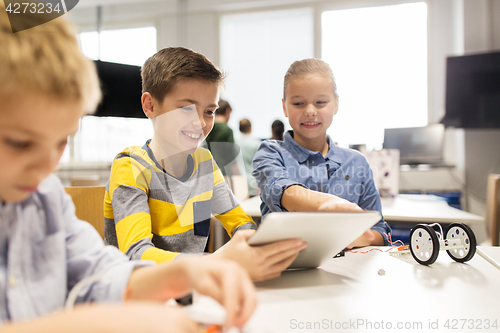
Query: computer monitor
pixel 473 91
pixel 121 90
pixel 417 145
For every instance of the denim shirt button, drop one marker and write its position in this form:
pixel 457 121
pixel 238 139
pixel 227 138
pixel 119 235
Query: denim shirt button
pixel 12 281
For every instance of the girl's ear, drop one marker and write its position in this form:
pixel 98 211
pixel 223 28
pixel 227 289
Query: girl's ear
pixel 284 107
pixel 148 105
pixel 336 106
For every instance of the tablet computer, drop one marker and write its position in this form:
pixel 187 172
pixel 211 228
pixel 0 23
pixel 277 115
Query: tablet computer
pixel 326 234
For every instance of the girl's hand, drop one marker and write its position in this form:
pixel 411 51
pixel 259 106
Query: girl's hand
pixel 336 204
pixel 370 237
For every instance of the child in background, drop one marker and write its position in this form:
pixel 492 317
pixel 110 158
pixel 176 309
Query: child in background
pixel 277 130
pixel 249 146
pixel 220 141
pixel 160 196
pixel 306 171
pixel 46 85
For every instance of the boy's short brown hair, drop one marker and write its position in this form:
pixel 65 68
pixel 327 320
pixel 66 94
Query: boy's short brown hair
pixel 46 60
pixel 161 72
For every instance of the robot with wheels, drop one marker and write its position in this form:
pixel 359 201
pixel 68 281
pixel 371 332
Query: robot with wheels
pixel 426 242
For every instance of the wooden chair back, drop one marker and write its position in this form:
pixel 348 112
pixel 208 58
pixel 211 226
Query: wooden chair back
pixel 493 208
pixel 238 184
pixel 89 180
pixel 89 204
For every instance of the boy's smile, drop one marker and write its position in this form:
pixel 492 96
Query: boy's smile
pixel 183 120
pixel 33 135
pixel 310 105
pixel 194 136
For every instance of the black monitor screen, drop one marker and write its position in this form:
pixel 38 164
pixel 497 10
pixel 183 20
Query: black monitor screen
pixel 417 145
pixel 473 91
pixel 121 90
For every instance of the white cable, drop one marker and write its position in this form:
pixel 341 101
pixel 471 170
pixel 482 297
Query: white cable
pixel 64 6
pixel 73 294
pixel 487 258
pixel 441 236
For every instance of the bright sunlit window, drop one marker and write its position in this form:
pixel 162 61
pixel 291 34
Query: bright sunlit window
pixel 379 59
pixel 101 138
pixel 256 50
pixel 125 46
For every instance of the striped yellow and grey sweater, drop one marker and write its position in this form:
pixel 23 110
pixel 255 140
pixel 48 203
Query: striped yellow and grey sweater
pixel 152 215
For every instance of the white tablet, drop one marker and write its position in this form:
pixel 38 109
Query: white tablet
pixel 326 234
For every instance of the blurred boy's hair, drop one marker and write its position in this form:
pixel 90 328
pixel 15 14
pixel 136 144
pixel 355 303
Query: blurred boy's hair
pixel 223 108
pixel 45 60
pixel 245 126
pixel 161 72
pixel 278 128
pixel 307 67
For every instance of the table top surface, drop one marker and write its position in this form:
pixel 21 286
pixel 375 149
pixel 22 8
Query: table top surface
pixel 350 294
pixel 425 208
pixel 403 208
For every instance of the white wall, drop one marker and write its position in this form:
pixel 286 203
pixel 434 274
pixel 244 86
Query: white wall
pixel 482 147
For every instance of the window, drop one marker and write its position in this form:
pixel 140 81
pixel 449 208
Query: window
pixel 125 46
pixel 101 138
pixel 256 49
pixel 379 59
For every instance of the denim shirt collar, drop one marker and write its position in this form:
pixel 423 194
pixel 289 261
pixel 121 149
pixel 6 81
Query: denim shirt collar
pixel 302 154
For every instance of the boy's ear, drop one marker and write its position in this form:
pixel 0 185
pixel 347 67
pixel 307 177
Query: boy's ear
pixel 336 106
pixel 284 107
pixel 148 105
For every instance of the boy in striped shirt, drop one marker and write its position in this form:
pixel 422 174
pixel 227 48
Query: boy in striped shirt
pixel 160 196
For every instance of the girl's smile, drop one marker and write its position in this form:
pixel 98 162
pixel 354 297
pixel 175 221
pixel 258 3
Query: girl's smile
pixel 310 105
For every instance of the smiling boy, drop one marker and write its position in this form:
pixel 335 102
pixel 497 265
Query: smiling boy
pixel 160 196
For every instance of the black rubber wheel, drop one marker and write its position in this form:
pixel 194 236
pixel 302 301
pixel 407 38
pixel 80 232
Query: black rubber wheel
pixel 424 244
pixel 465 234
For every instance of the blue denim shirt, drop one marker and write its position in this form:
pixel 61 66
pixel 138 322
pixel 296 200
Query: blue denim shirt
pixel 45 250
pixel 342 172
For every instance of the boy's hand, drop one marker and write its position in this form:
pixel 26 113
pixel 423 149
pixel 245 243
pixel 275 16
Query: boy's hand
pixel 132 317
pixel 265 261
pixel 223 280
pixel 226 282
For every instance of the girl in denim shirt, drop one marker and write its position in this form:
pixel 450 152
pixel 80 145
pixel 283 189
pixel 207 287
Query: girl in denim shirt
pixel 307 172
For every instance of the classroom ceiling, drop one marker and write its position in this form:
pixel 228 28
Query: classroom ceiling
pixel 95 3
pixel 196 5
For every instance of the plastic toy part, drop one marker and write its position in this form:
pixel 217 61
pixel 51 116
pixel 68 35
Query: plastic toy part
pixel 424 244
pixel 402 250
pixel 467 238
